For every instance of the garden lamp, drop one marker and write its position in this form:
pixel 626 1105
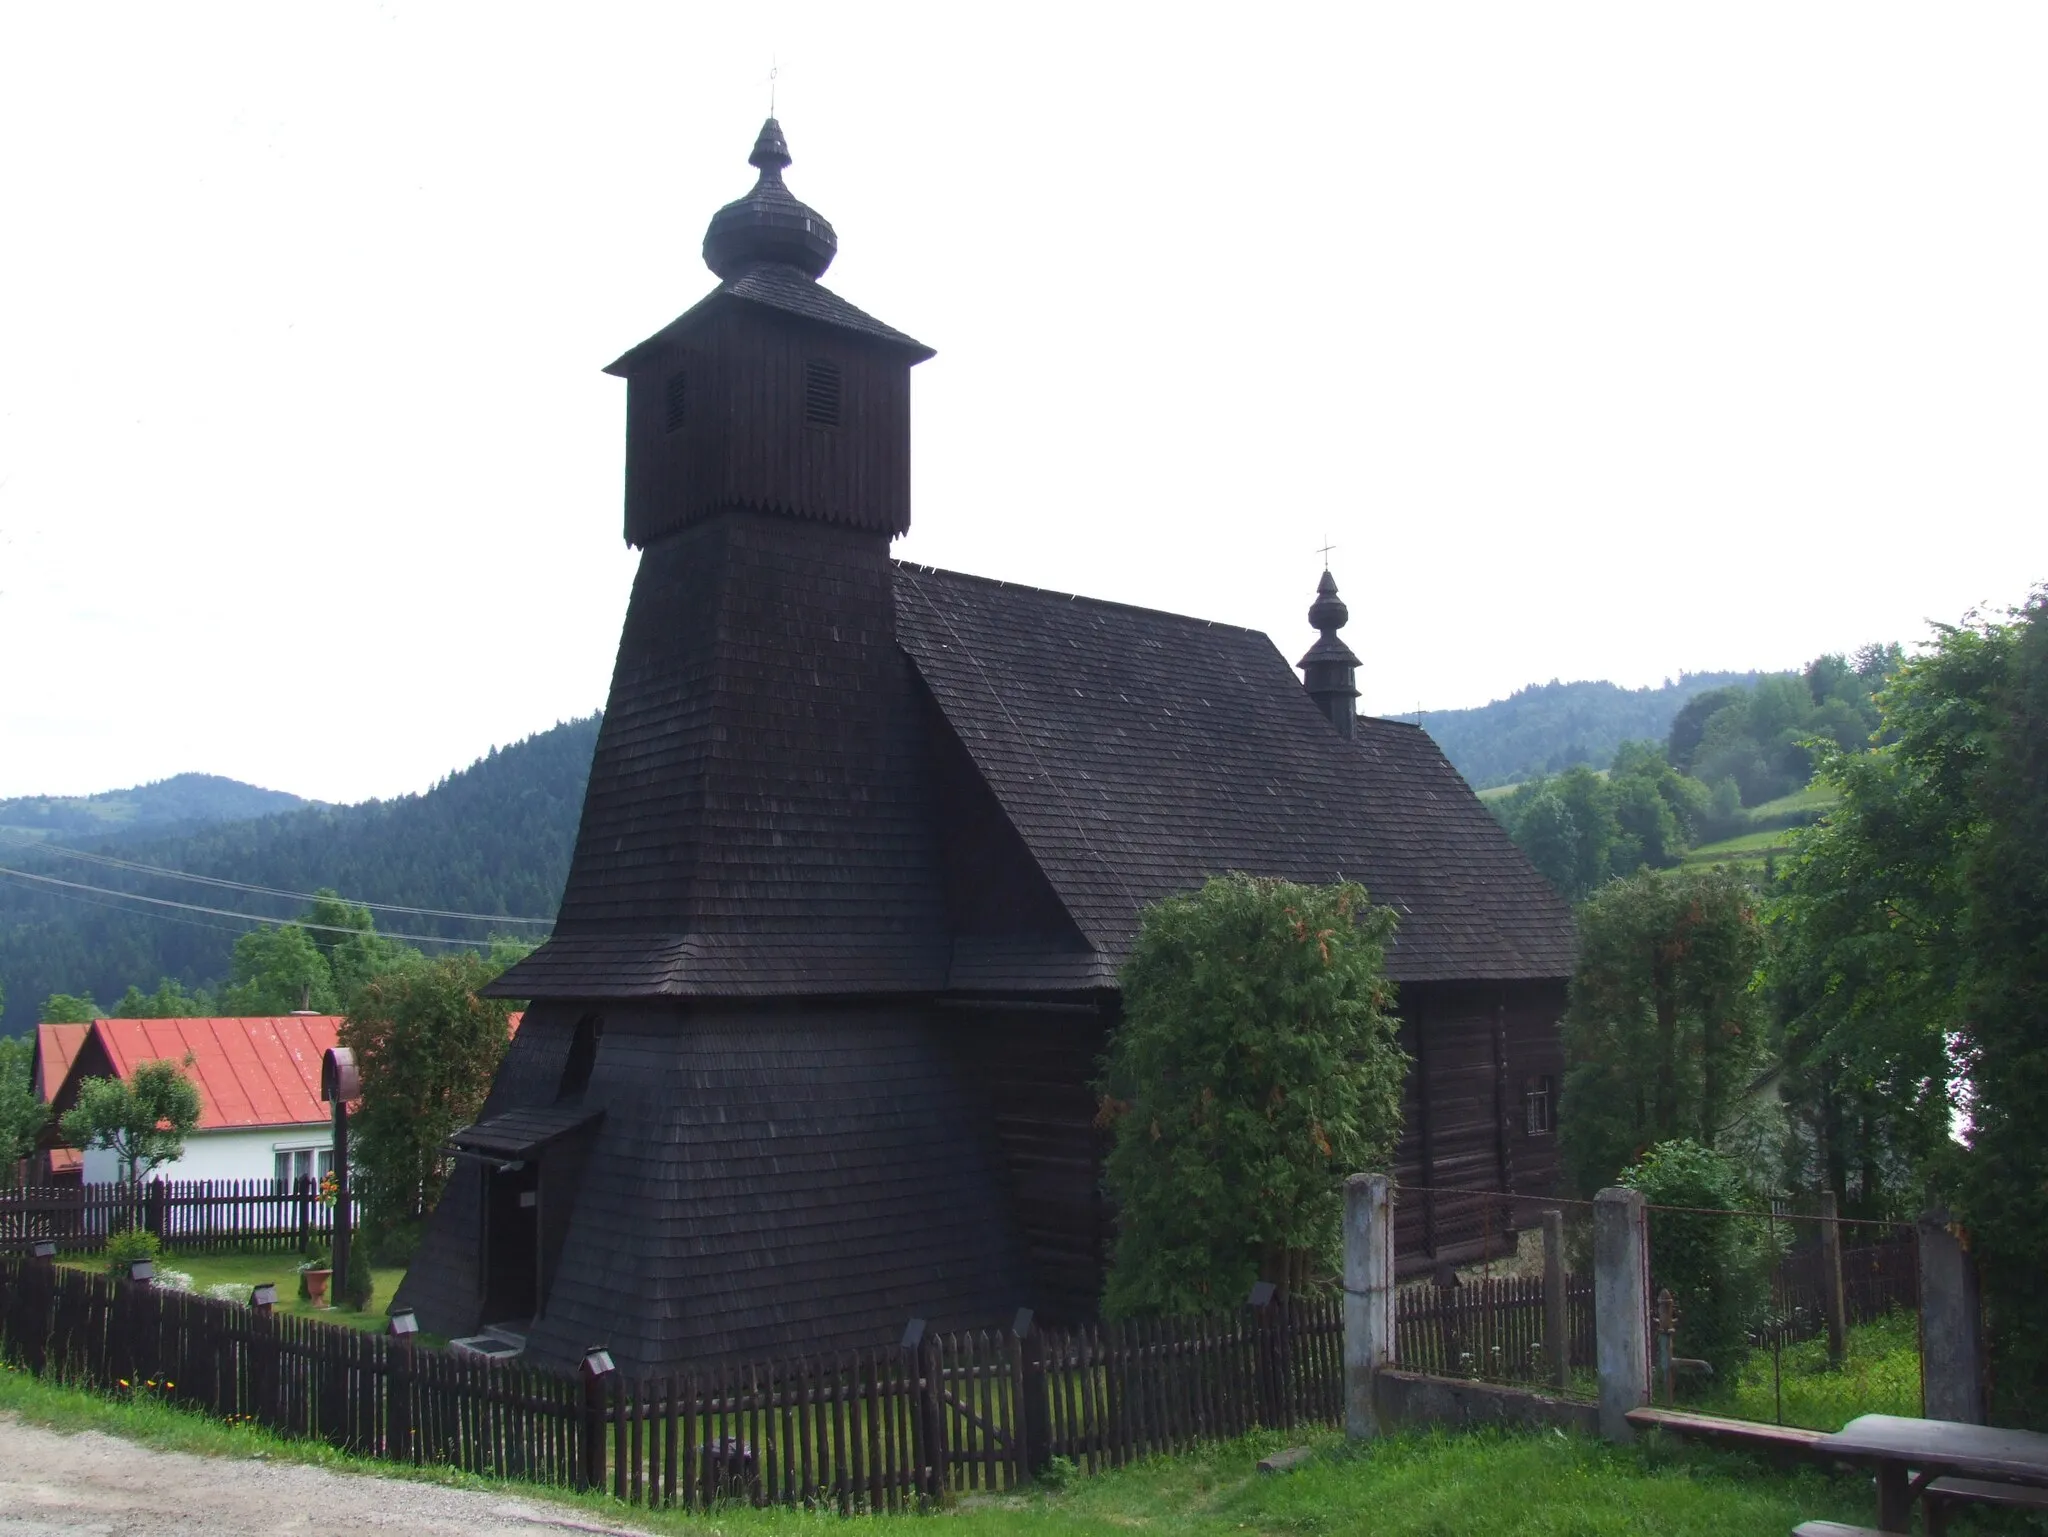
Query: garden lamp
pixel 141 1270
pixel 263 1296
pixel 404 1323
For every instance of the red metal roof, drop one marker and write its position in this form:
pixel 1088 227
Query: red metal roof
pixel 56 1049
pixel 250 1072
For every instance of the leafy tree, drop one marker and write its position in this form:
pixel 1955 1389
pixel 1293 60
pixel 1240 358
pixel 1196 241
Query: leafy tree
pixel 1689 726
pixel 22 1112
pixel 427 1046
pixel 169 1001
pixel 278 970
pixel 1663 1036
pixel 144 1121
pixel 1544 828
pixel 1716 1264
pixel 1999 1186
pixel 1256 1066
pixel 1582 829
pixel 1867 920
pixel 67 1009
pixel 1909 966
pixel 355 957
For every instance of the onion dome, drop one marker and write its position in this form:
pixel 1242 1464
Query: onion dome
pixel 1328 612
pixel 769 224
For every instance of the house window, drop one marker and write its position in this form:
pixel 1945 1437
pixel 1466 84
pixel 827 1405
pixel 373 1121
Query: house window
pixel 293 1164
pixel 675 400
pixel 821 392
pixel 1539 1100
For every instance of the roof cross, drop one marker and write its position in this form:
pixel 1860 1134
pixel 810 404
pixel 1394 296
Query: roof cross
pixel 1325 551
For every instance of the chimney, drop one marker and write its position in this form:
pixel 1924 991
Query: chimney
pixel 1329 672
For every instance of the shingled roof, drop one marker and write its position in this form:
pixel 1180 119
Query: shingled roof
pixel 778 287
pixel 1138 752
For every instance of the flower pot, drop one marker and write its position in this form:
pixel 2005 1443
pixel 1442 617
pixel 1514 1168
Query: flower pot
pixel 316 1287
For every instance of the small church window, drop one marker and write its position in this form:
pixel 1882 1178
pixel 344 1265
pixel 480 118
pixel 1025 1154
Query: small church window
pixel 582 1057
pixel 821 392
pixel 676 400
pixel 1539 1098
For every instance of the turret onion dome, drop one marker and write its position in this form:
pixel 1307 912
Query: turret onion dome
pixel 769 224
pixel 1328 612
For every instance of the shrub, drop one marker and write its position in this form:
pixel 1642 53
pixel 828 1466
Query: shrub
pixel 1715 1263
pixel 357 1287
pixel 1256 1066
pixel 126 1247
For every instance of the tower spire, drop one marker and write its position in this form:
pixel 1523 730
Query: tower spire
pixel 1330 671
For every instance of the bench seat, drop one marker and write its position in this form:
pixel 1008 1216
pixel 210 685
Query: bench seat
pixel 1734 1435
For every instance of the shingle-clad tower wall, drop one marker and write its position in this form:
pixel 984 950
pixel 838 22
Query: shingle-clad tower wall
pixel 765 1143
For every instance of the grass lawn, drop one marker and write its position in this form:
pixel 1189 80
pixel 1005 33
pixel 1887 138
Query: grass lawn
pixel 1750 846
pixel 1416 1484
pixel 1880 1375
pixel 245 1270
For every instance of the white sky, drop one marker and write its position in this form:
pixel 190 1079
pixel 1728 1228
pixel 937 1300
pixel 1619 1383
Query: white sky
pixel 1603 341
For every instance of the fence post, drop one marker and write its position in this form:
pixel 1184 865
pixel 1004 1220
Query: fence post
pixel 1834 1305
pixel 1368 1298
pixel 1621 1307
pixel 933 1407
pixel 1951 1348
pixel 596 1371
pixel 1034 1417
pixel 1557 1323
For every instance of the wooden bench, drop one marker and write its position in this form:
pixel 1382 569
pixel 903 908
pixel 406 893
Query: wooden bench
pixel 1945 1492
pixel 1781 1441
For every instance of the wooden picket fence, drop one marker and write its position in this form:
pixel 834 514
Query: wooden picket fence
pixel 1877 1278
pixel 855 1431
pixel 185 1214
pixel 1491 1328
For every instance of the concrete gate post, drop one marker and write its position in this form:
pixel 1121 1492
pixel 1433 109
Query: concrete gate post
pixel 1951 1342
pixel 1368 1297
pixel 1621 1307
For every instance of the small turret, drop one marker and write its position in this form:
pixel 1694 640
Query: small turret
pixel 1330 671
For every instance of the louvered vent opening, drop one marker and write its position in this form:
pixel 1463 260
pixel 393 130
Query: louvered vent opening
pixel 675 401
pixel 821 393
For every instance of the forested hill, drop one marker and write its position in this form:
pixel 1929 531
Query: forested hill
pixel 493 838
pixel 1549 727
pixel 183 799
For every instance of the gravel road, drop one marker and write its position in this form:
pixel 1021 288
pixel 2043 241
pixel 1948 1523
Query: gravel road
pixel 51 1483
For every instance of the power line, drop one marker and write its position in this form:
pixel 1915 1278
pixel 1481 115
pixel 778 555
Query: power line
pixel 227 912
pixel 116 907
pixel 267 891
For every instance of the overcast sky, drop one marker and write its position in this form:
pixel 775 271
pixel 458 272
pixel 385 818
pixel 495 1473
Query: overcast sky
pixel 1601 341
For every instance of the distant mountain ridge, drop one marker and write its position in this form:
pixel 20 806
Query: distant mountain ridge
pixel 1549 727
pixel 493 838
pixel 496 837
pixel 183 799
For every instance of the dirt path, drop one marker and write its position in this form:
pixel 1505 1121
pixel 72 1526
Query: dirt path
pixel 52 1483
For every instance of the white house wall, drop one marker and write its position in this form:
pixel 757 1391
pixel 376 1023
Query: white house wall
pixel 221 1155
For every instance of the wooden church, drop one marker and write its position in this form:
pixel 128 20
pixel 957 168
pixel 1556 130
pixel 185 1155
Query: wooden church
pixel 864 844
